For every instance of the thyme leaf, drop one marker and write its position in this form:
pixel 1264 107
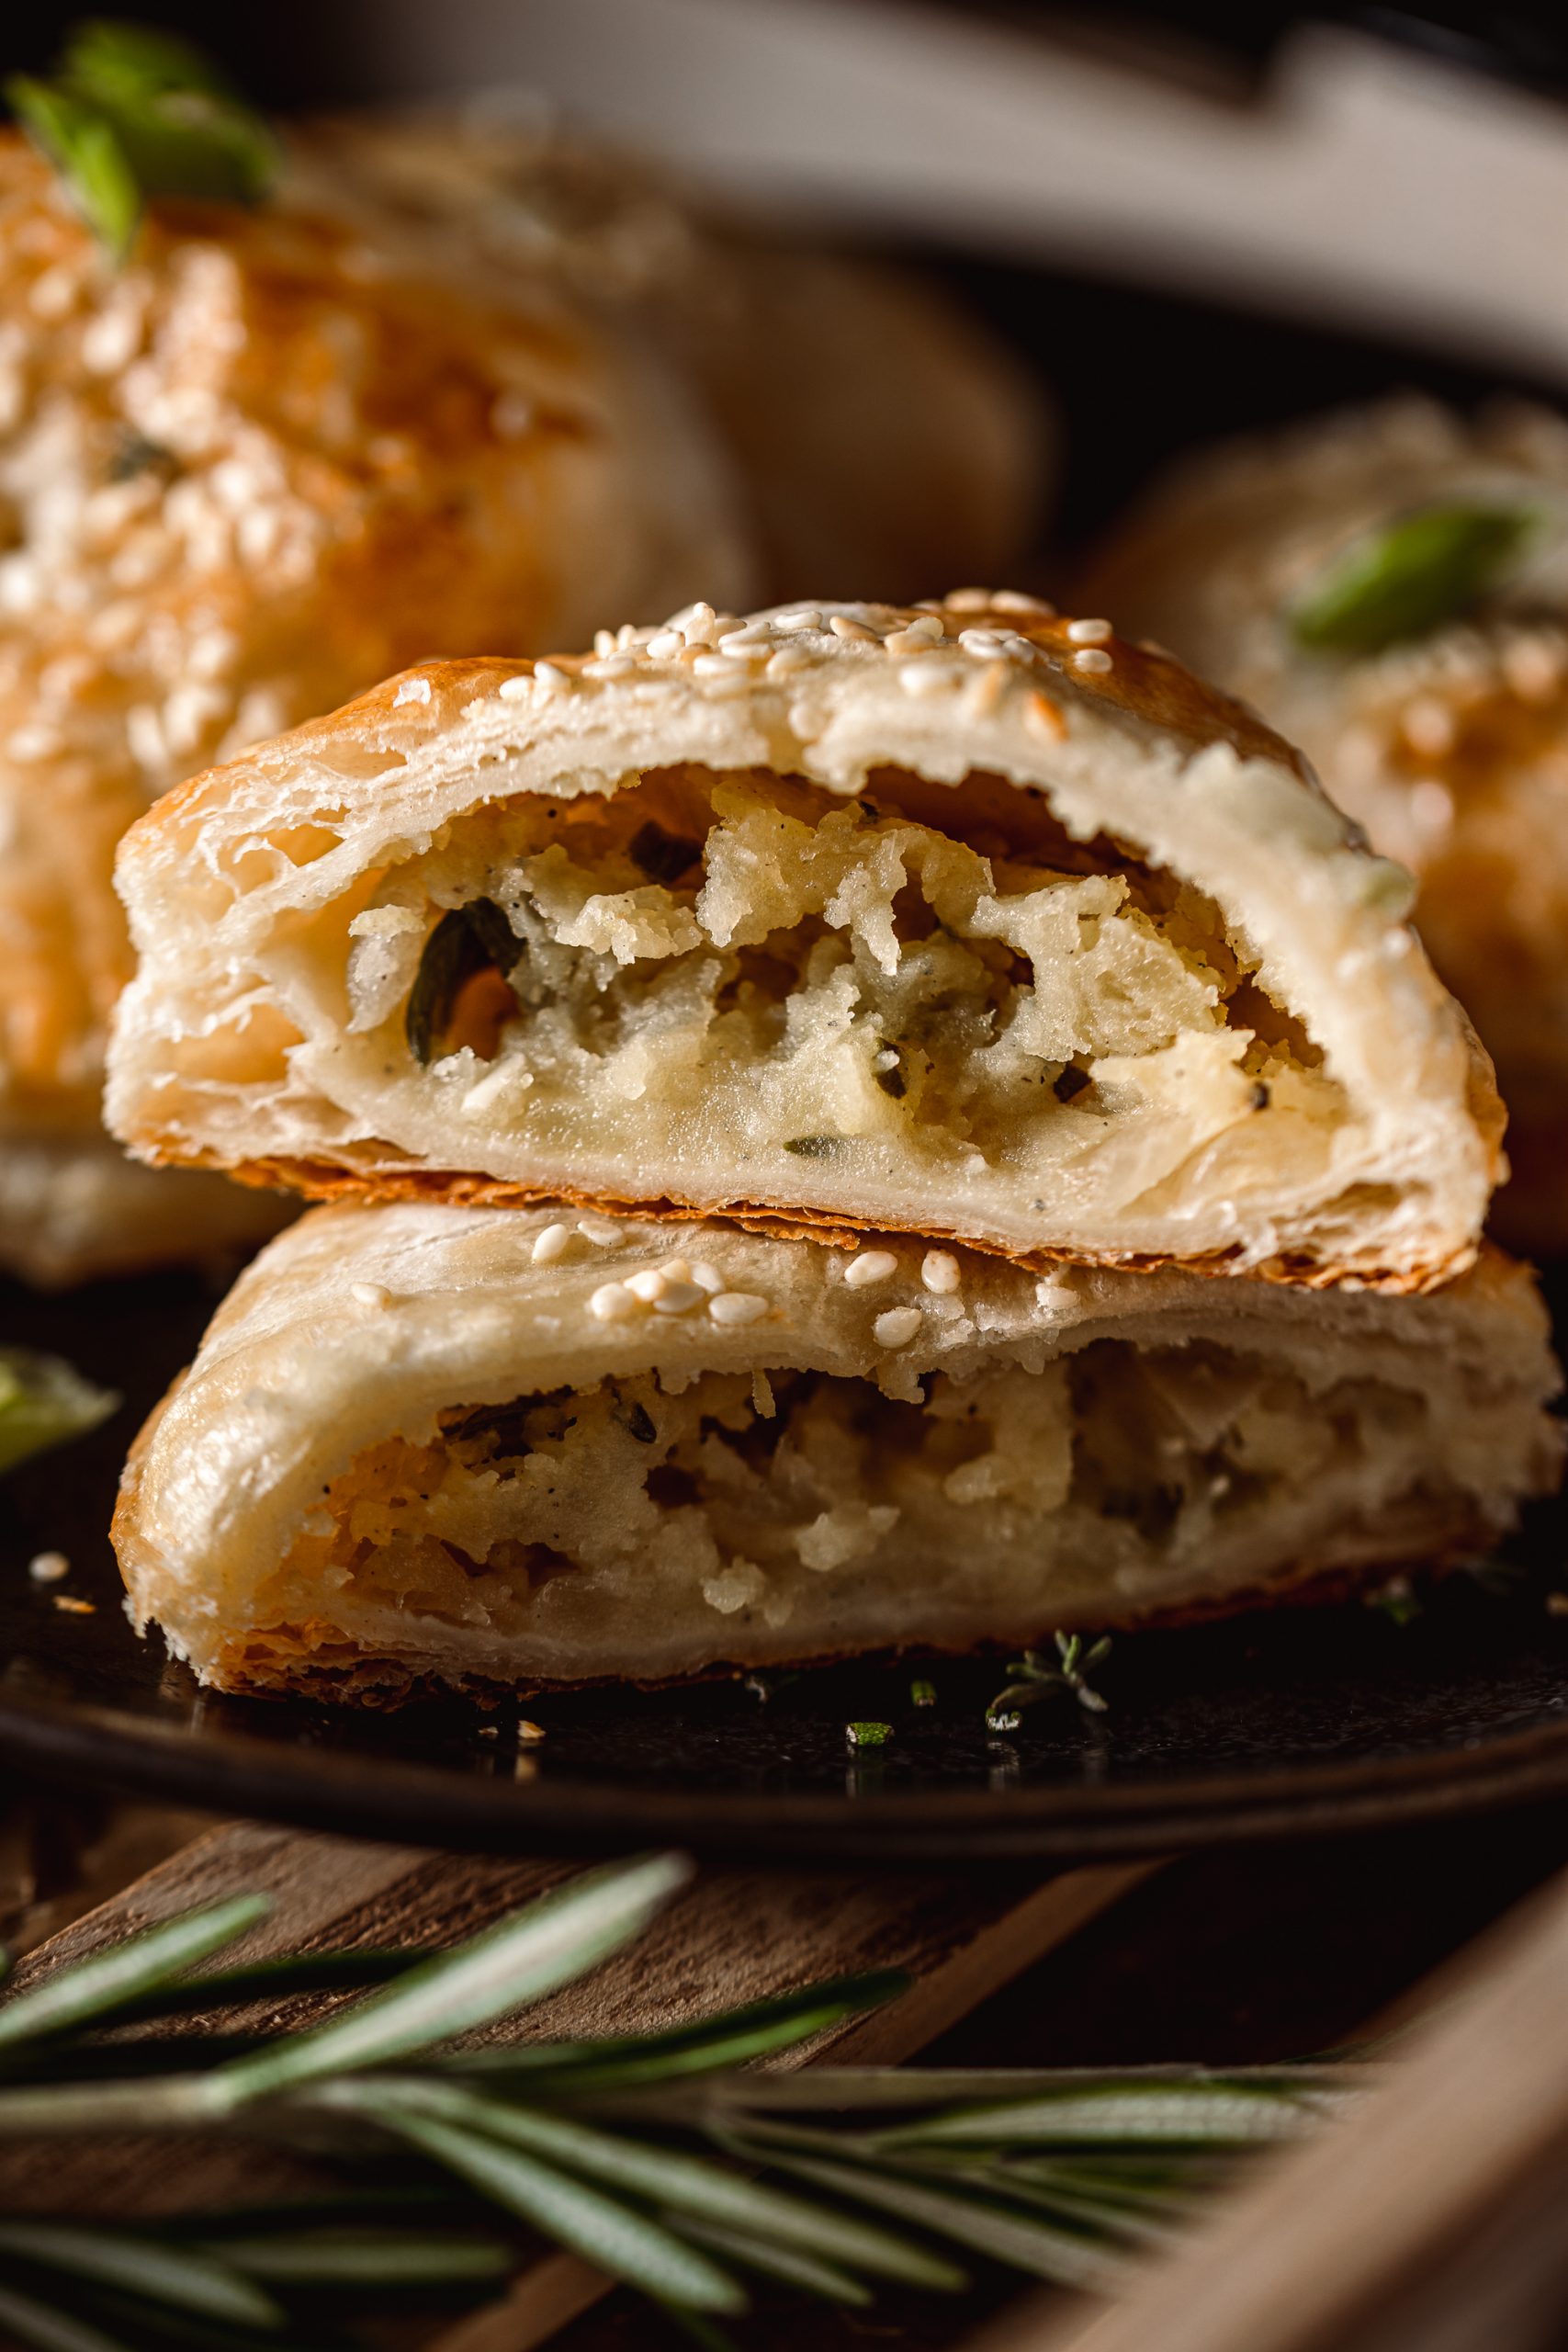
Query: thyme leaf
pixel 1413 574
pixel 45 1402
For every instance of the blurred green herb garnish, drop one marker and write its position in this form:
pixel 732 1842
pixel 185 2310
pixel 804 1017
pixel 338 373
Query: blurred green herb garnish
pixel 131 113
pixel 43 1402
pixel 1413 574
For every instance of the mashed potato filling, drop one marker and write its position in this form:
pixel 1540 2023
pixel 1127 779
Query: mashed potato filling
pixel 727 964
pixel 811 1512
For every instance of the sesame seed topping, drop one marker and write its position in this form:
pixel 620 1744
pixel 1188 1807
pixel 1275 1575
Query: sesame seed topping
pixel 984 643
pixel 870 1266
pixel 612 665
pixel 939 1271
pixel 1092 659
pixel 737 1307
pixel 1057 1297
pixel 553 679
pixel 605 643
pixel 665 645
pixel 679 1298
pixel 1014 600
pixel 970 600
pixel 699 625
pixel 602 1231
pixel 551 1244
pixel 516 689
pixel 1040 715
pixel 1088 632
pixel 898 1326
pixel 985 689
pixel 370 1294
pixel 912 639
pixel 712 665
pixel 787 658
pixel 707 1278
pixel 852 631
pixel 1428 726
pixel 611 1303
pixel 48 1567
pixel 411 690
pixel 648 1285
pixel 807 618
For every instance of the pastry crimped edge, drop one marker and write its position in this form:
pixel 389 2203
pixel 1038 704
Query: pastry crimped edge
pixel 1126 744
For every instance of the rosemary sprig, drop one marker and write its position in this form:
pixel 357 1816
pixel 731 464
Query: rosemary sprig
pixel 661 2157
pixel 1036 1676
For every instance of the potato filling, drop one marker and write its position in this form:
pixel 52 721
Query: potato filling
pixel 804 1505
pixel 827 980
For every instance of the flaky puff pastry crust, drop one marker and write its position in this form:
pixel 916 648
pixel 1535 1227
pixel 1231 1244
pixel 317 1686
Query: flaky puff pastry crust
pixel 1451 748
pixel 1037 736
pixel 363 1393
pixel 275 455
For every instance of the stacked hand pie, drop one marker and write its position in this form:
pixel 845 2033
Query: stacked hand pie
pixel 851 1128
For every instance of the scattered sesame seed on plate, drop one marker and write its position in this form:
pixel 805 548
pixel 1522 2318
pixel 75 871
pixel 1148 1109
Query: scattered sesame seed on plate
pixel 48 1567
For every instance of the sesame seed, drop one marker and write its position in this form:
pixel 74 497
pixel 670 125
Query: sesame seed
pixel 554 680
pixel 787 658
pixel 647 1285
pixel 1428 726
pixel 1089 632
pixel 516 689
pixel 613 666
pixel 898 1326
pixel 411 690
pixel 987 689
pixel 970 600
pixel 668 643
pixel 737 1307
pixel 676 1270
pixel 1092 659
pixel 699 627
pixel 602 1231
pixel 370 1294
pixel 1533 667
pixel 75 1608
pixel 551 1244
pixel 984 643
pixel 807 618
pixel 870 1266
pixel 679 1298
pixel 605 643
pixel 908 640
pixel 709 1278
pixel 854 632
pixel 712 665
pixel 924 679
pixel 1057 1297
pixel 48 1567
pixel 611 1303
pixel 939 1273
pixel 1013 600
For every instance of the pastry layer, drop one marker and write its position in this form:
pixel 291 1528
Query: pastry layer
pixel 489 1447
pixel 843 916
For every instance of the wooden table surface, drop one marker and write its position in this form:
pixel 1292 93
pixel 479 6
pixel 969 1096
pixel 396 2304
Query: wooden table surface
pixel 1225 1957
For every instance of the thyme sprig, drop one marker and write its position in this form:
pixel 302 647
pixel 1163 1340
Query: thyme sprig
pixel 663 2158
pixel 1035 1676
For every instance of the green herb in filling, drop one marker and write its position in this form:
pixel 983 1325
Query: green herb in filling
pixel 1412 575
pixel 467 941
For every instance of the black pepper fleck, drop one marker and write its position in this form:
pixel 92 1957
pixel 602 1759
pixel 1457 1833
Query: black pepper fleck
pixel 1072 1081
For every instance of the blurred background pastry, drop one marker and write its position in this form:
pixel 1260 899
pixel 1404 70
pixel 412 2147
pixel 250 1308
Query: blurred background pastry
pixel 1390 586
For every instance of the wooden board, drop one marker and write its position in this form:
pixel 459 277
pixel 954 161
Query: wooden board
pixel 731 1936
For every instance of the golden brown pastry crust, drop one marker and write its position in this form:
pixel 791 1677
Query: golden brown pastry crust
pixel 366 1325
pixel 1126 752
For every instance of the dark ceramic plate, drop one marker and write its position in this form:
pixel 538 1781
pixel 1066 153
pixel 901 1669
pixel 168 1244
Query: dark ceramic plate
pixel 1301 1720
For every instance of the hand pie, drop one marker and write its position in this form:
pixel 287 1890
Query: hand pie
pixel 279 453
pixel 1389 587
pixel 472 1447
pixel 878 438
pixel 962 919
